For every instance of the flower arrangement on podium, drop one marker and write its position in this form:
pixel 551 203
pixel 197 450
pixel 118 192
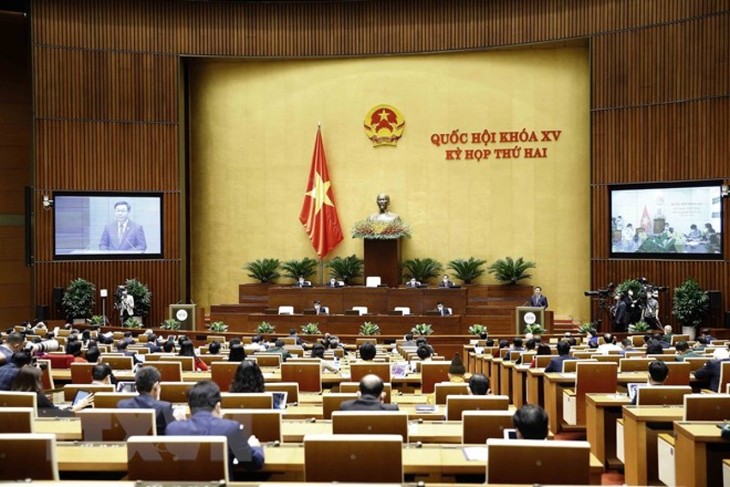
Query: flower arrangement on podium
pixel 381 230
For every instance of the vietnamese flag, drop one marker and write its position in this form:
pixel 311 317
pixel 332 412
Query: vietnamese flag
pixel 646 222
pixel 319 215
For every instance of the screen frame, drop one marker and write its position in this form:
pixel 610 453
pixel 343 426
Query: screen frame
pixel 709 183
pixel 111 255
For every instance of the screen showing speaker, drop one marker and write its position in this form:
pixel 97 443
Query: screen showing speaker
pixel 90 226
pixel 667 220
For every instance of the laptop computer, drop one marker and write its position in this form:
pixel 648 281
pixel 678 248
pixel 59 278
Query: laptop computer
pixel 399 370
pixel 279 399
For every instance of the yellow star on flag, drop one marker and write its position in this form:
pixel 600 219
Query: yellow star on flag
pixel 319 193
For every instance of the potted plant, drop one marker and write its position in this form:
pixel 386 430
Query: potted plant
pixel 690 306
pixel 78 300
pixel 263 270
pixel 295 268
pixel 422 269
pixel 218 326
pixel 265 328
pixel 509 271
pixel 477 329
pixel 535 329
pixel 586 328
pixel 639 327
pixel 310 329
pixel 170 324
pixel 345 268
pixel 467 270
pixel 132 322
pixel 97 321
pixel 369 328
pixel 142 296
pixel 422 329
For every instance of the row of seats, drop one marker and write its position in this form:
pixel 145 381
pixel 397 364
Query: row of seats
pixel 327 458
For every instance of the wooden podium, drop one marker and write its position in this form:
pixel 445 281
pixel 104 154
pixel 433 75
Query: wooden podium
pixel 186 314
pixel 528 315
pixel 382 258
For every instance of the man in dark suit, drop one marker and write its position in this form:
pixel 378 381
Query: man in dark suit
pixel 370 397
pixel 446 282
pixel 122 234
pixel 301 282
pixel 442 310
pixel 412 283
pixel 147 380
pixel 319 309
pixel 538 300
pixel 333 283
pixel 204 400
pixel 711 370
pixel 556 363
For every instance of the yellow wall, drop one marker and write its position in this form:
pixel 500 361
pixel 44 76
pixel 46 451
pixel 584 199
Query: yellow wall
pixel 253 125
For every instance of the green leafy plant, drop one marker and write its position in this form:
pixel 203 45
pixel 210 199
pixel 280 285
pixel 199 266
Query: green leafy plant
pixel 141 294
pixel 96 321
pixel 295 268
pixel 265 328
pixel 345 268
pixel 632 288
pixel 132 323
pixel 640 327
pixel 218 326
pixel 467 270
pixel 310 329
pixel 690 303
pixel 263 270
pixel 170 324
pixel 585 328
pixel 535 329
pixel 477 329
pixel 422 269
pixel 78 299
pixel 369 328
pixel 509 271
pixel 422 329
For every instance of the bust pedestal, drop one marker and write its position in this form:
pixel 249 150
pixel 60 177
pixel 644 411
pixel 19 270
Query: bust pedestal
pixel 382 258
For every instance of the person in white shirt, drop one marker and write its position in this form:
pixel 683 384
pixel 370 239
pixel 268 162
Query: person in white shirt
pixel 609 344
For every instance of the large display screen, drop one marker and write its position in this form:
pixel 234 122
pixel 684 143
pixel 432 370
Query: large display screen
pixel 107 226
pixel 667 220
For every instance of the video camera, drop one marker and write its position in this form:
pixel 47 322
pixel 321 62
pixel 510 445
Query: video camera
pixel 42 347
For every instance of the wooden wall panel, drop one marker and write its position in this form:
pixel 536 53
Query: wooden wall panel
pixel 106 92
pixel 669 63
pixel 677 141
pixel 105 85
pixel 122 156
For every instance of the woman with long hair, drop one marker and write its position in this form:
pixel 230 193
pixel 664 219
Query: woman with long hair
pixel 187 349
pixel 248 378
pixel 29 380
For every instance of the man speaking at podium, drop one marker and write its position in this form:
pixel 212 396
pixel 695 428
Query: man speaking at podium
pixel 123 234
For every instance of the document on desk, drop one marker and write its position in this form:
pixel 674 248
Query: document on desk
pixel 475 453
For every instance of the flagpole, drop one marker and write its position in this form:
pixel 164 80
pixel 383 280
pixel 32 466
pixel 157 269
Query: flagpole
pixel 321 271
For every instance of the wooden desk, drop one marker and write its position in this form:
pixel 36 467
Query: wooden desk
pixel 602 411
pixel 432 463
pixel 505 378
pixel 519 384
pixel 699 453
pixel 292 431
pixel 555 382
pixel 642 424
pixel 495 364
pixel 535 387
